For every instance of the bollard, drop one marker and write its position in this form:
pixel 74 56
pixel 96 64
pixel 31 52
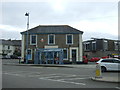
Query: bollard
pixel 98 71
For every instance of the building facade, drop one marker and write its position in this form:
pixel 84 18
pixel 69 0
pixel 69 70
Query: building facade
pixel 101 47
pixel 8 47
pixel 63 37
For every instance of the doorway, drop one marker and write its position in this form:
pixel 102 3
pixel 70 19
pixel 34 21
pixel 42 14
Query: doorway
pixel 74 51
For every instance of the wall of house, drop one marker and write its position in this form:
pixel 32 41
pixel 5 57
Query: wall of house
pixel 80 52
pixel 60 41
pixel 23 50
pixel 99 44
pixel 8 50
pixel 100 48
pixel 111 45
pixel 0 51
pixel 99 53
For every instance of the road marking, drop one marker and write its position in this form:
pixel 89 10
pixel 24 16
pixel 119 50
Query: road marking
pixel 14 74
pixel 68 75
pixel 51 77
pixel 117 88
pixel 63 81
pixel 73 78
pixel 45 67
pixel 30 74
pixel 36 67
pixel 23 72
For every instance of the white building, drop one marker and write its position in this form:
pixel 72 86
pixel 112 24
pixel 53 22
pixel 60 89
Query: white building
pixel 8 47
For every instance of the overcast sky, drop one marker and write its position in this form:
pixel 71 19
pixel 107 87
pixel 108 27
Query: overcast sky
pixel 95 19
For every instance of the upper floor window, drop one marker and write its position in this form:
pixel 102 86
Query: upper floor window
pixel 87 46
pixel 51 39
pixel 116 45
pixel 94 45
pixel 69 39
pixel 33 39
pixel 105 45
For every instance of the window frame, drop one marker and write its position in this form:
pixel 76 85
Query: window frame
pixel 94 42
pixel 53 39
pixel 116 45
pixel 67 39
pixel 87 46
pixel 67 54
pixel 105 45
pixel 31 40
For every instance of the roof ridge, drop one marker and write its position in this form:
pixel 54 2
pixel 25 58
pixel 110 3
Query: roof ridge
pixel 54 25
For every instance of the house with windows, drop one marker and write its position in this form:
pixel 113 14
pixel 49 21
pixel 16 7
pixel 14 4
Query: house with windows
pixel 101 47
pixel 47 43
pixel 9 48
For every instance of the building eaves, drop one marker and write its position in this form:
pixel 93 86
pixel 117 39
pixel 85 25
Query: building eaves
pixel 53 29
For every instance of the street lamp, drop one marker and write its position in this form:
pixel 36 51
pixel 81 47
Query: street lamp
pixel 27 14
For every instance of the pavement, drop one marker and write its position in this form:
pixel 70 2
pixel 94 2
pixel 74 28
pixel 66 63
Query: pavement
pixel 107 79
pixel 103 78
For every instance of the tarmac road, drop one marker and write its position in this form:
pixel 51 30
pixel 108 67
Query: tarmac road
pixel 52 77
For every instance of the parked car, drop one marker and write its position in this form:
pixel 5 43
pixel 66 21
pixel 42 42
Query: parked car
pixel 14 57
pixel 94 59
pixel 105 57
pixel 116 56
pixel 109 64
pixel 85 60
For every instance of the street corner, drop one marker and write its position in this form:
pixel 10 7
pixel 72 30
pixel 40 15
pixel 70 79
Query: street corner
pixel 106 79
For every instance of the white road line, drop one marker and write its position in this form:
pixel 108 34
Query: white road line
pixel 30 74
pixel 68 75
pixel 63 81
pixel 23 72
pixel 73 78
pixel 46 75
pixel 117 88
pixel 14 74
pixel 46 67
pixel 51 77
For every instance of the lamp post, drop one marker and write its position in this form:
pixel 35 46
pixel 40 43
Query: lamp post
pixel 27 14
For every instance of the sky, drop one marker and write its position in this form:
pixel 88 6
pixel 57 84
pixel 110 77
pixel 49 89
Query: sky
pixel 96 18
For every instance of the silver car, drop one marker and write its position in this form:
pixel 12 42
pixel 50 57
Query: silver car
pixel 109 64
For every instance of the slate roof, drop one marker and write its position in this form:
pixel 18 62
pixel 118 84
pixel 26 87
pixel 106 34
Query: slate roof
pixel 53 29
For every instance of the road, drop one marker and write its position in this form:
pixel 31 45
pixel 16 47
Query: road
pixel 51 77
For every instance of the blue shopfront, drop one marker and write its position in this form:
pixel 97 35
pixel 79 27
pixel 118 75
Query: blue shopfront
pixel 48 56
